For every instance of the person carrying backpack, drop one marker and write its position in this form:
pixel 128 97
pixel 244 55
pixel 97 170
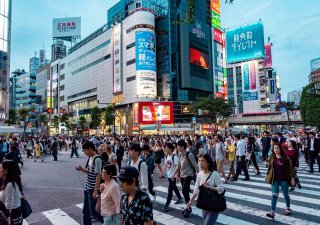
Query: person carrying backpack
pixel 93 171
pixel 170 164
pixel 149 160
pixel 139 164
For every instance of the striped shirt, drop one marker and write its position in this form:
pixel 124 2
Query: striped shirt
pixel 94 168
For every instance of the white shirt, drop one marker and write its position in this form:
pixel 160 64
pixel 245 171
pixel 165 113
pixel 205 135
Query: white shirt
pixel 311 144
pixel 10 196
pixel 241 148
pixel 171 165
pixel 143 173
pixel 214 181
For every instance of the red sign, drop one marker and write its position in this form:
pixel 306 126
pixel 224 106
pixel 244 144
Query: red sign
pixel 152 112
pixel 268 56
pixel 218 35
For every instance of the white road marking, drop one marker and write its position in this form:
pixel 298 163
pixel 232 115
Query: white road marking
pixel 167 219
pixel 58 217
pixel 25 222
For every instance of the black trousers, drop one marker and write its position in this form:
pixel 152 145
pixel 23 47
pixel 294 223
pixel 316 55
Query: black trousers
pixel 150 185
pixel 313 157
pixel 186 182
pixel 254 161
pixel 172 188
pixel 265 154
pixel 242 165
pixel 306 155
pixel 55 155
pixel 119 160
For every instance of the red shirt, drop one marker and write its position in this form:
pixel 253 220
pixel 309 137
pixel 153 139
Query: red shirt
pixel 279 173
pixel 294 157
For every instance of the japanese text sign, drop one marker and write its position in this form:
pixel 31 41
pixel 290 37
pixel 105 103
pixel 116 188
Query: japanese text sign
pixel 145 51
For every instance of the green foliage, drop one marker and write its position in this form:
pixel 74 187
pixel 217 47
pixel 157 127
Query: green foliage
pixel 23 113
pixel 43 119
pixel 12 117
pixel 215 109
pixel 82 122
pixel 109 115
pixel 65 120
pixel 96 117
pixel 56 121
pixel 310 106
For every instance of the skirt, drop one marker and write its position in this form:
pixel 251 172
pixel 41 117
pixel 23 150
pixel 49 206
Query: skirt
pixel 16 217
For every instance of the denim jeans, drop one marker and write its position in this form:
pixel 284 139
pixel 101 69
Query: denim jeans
pixel 89 211
pixel 209 218
pixel 275 193
pixel 111 220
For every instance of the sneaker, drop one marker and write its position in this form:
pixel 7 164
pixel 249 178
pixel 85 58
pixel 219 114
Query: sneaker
pixel 233 179
pixel 187 212
pixel 166 208
pixel 299 186
pixel 291 189
pixel 270 215
pixel 179 201
pixel 155 196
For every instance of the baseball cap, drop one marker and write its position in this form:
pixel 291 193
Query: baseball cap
pixel 128 172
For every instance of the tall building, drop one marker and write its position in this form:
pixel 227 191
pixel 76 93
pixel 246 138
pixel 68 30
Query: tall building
pixel 294 96
pixel 34 64
pixel 314 75
pixel 58 50
pixel 43 84
pixel 5 42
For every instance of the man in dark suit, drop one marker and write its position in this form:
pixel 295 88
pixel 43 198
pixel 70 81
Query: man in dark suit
pixel 54 149
pixel 314 151
pixel 119 150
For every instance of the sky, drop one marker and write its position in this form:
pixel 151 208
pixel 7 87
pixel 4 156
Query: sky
pixel 293 28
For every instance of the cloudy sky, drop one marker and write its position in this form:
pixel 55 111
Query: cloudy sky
pixel 292 26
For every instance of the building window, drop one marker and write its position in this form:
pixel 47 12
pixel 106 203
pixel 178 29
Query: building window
pixel 131 78
pixel 61 98
pixel 62 88
pixel 62 66
pixel 82 93
pixel 131 62
pixel 139 26
pixel 62 77
pixel 131 45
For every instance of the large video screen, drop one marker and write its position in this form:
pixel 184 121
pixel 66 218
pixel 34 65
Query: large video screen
pixel 152 112
pixel 199 58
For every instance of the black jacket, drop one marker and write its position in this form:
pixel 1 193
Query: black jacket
pixel 316 145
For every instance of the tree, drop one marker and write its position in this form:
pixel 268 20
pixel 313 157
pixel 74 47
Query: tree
pixel 56 121
pixel 12 117
pixel 213 109
pixel 109 116
pixel 82 122
pixel 65 120
pixel 310 105
pixel 43 119
pixel 23 116
pixel 96 117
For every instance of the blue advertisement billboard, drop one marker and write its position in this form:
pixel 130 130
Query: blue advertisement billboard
pixel 249 81
pixel 272 87
pixel 145 51
pixel 245 43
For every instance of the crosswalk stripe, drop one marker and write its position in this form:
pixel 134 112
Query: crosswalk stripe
pixel 80 206
pixel 300 173
pixel 268 193
pixel 302 209
pixel 58 217
pixel 223 219
pixel 25 222
pixel 167 219
pixel 257 184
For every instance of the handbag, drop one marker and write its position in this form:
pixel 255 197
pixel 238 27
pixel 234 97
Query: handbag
pixel 98 204
pixel 26 209
pixel 211 200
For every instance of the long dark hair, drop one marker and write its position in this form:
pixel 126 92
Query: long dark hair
pixel 209 161
pixel 12 174
pixel 284 157
pixel 294 144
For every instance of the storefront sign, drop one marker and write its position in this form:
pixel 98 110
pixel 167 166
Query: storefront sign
pixel 118 99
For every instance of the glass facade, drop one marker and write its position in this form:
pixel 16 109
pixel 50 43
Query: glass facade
pixel 5 34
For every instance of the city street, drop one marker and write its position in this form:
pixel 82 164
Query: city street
pixel 55 192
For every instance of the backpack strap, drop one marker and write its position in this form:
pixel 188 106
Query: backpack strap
pixel 94 159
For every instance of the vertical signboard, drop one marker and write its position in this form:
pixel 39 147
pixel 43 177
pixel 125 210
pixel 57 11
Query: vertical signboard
pixel 146 63
pixel 249 81
pixel 272 87
pixel 245 43
pixel 268 56
pixel 42 57
pixel 117 77
pixel 215 13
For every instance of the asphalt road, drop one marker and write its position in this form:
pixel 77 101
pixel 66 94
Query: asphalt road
pixel 55 192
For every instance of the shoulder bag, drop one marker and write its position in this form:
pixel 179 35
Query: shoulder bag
pixel 25 208
pixel 211 200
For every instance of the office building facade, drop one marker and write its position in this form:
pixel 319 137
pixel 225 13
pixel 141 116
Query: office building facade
pixel 294 96
pixel 314 75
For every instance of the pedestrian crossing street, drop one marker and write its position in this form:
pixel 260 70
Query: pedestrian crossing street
pixel 247 202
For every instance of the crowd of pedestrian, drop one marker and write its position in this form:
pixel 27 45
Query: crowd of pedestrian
pixel 128 164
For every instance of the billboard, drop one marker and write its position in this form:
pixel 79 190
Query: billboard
pixel 215 20
pixel 217 34
pixel 199 58
pixel 215 6
pixel 152 112
pixel 66 27
pixel 268 56
pixel 245 43
pixel 146 63
pixel 315 64
pixel 272 87
pixel 42 57
pixel 249 81
pixel 117 77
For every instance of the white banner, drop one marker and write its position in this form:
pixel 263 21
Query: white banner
pixel 146 83
pixel 66 27
pixel 117 78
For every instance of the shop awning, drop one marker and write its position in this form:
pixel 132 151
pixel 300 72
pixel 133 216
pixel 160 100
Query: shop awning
pixel 175 129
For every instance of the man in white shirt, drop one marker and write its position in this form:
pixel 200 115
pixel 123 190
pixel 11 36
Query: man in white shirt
pixel 241 159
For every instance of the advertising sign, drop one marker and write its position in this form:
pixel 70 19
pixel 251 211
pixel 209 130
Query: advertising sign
pixel 146 63
pixel 199 58
pixel 135 113
pixel 249 81
pixel 42 57
pixel 272 87
pixel 315 64
pixel 215 20
pixel 218 35
pixel 197 30
pixel 215 6
pixel 268 56
pixel 245 43
pixel 66 27
pixel 117 77
pixel 152 112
